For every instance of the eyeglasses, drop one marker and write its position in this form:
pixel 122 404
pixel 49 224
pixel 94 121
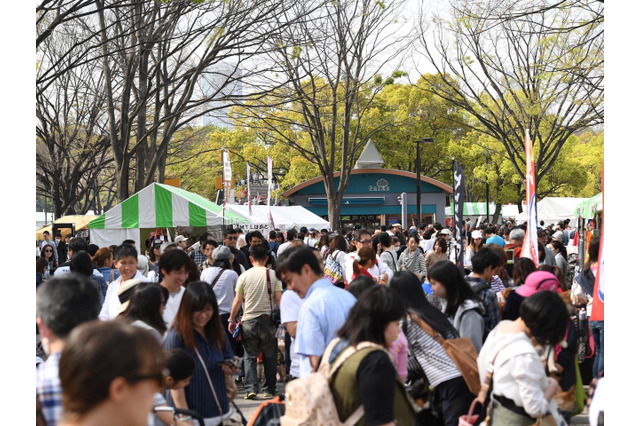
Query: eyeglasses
pixel 365 241
pixel 48 251
pixel 231 238
pixel 159 378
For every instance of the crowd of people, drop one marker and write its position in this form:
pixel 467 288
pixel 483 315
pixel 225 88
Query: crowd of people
pixel 140 337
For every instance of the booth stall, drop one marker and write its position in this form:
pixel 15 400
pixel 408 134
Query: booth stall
pixel 157 208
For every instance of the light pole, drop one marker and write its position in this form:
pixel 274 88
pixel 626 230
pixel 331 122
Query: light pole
pixel 418 183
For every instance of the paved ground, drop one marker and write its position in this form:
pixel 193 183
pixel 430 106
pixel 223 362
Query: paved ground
pixel 248 407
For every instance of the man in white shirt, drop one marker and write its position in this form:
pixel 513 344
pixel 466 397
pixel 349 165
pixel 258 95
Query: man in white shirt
pixel 174 269
pixel 363 238
pixel 291 236
pixel 127 263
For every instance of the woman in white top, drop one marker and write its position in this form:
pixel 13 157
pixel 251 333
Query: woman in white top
pixel 522 392
pixel 412 259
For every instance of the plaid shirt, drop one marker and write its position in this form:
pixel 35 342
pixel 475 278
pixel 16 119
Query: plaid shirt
pixel 488 296
pixel 49 389
pixel 198 257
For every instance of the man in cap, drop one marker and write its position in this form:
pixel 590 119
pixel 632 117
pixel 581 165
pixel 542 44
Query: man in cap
pixel 311 240
pixel 181 241
pixel 223 282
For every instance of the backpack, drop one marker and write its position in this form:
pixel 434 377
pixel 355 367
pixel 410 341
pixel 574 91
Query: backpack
pixel 333 270
pixel 309 401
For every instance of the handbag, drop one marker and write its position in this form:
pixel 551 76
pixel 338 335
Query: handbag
pixel 235 419
pixel 460 350
pixel 333 269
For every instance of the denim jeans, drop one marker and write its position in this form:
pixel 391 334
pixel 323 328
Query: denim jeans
pixel 597 331
pixel 259 335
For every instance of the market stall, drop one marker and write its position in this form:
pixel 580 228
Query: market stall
pixel 157 207
pixel 284 218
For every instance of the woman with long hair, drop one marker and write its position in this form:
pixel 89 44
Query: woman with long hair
pixel 323 244
pixel 334 259
pixel 438 254
pixel 154 254
pixel 560 251
pixel 463 307
pixel 145 307
pixel 412 259
pixel 522 392
pixel 451 394
pixel 474 245
pixel 46 253
pixel 368 377
pixel 197 329
pixel 522 267
pixel 387 251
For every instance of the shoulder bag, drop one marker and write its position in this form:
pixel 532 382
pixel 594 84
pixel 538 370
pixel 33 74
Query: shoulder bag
pixel 461 352
pixel 275 313
pixel 236 418
pixel 333 269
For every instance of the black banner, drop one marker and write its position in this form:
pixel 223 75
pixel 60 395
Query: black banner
pixel 458 202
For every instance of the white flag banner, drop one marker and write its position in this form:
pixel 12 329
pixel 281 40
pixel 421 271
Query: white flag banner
pixel 249 186
pixel 226 167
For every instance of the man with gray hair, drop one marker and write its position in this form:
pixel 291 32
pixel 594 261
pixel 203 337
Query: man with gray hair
pixel 62 303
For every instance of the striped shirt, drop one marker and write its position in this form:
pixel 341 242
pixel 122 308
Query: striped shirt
pixel 436 364
pixel 198 392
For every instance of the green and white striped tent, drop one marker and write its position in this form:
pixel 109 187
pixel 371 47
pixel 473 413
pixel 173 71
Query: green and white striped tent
pixel 588 208
pixel 473 209
pixel 157 206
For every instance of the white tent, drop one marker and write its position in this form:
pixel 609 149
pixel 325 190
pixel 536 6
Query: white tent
pixel 284 217
pixel 554 210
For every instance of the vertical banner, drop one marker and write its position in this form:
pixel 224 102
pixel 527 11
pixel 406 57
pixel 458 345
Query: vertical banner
pixel 458 203
pixel 597 311
pixel 530 245
pixel 249 187
pixel 269 178
pixel 226 168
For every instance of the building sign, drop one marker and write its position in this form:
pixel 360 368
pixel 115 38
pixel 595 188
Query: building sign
pixel 381 186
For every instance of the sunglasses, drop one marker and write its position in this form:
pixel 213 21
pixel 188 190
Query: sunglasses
pixel 48 251
pixel 232 238
pixel 159 378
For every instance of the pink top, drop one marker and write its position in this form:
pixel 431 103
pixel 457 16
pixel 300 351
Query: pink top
pixel 400 351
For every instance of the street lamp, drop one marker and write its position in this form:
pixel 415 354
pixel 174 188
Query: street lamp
pixel 418 183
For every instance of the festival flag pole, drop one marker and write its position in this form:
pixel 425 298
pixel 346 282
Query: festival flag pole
pixel 269 178
pixel 530 244
pixel 458 203
pixel 226 167
pixel 249 186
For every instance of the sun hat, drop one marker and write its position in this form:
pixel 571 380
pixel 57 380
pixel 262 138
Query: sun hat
pixel 539 281
pixel 222 253
pixel 125 291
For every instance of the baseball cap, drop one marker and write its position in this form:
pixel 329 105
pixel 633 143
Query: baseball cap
pixel 180 239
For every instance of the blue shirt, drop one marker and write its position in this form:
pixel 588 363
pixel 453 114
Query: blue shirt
pixel 198 392
pixel 323 312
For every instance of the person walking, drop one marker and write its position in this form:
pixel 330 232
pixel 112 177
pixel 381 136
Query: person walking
pixel 412 259
pixel 197 330
pixel 260 290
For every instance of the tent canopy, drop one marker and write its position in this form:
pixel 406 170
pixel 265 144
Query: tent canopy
pixel 284 217
pixel 554 209
pixel 79 221
pixel 588 208
pixel 163 206
pixel 157 206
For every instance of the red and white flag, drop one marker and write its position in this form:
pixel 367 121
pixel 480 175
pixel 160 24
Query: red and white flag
pixel 530 245
pixel 597 311
pixel 269 179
